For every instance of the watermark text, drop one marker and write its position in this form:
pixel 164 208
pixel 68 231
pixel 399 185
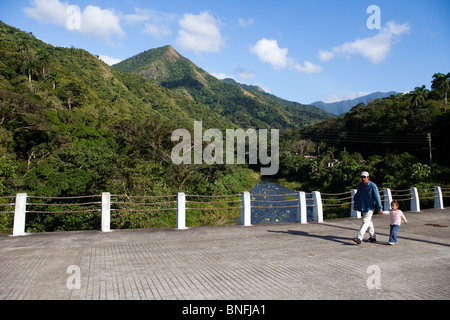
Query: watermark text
pixel 214 151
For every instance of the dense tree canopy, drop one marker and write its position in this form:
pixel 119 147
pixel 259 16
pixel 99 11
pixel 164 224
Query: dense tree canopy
pixel 70 125
pixel 390 137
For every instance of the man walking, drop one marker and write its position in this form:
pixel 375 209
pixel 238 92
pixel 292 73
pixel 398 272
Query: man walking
pixel 365 200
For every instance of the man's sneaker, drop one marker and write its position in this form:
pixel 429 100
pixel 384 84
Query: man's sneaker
pixel 372 239
pixel 357 240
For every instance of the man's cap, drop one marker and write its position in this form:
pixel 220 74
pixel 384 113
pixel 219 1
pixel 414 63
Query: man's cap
pixel 365 174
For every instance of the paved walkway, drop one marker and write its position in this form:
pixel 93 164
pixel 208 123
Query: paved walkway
pixel 271 261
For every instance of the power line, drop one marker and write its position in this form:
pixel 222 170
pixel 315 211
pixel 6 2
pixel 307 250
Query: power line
pixel 362 137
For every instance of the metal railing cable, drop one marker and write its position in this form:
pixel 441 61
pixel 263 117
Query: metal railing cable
pixel 4 205
pixel 265 196
pixel 53 207
pixel 142 204
pixel 424 194
pixel 329 198
pixel 401 195
pixel 209 202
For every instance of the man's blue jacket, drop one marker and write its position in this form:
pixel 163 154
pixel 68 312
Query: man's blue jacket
pixel 367 197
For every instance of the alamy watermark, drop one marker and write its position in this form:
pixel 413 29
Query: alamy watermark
pixel 73 21
pixel 214 151
pixel 374 280
pixel 374 21
pixel 74 280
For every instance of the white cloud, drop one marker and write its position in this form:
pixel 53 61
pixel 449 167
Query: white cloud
pixel 156 30
pixel 101 23
pixel 268 51
pixel 246 23
pixel 374 48
pixel 308 67
pixel 221 76
pixel 109 60
pixel 325 55
pixel 140 16
pixel 348 96
pixel 93 21
pixel 156 23
pixel 243 73
pixel 200 33
pixel 48 11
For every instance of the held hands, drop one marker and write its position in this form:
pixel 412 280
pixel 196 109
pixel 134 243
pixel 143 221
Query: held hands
pixel 380 212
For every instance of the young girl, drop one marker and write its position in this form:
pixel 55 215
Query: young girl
pixel 396 219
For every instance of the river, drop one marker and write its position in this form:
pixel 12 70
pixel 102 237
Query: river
pixel 270 190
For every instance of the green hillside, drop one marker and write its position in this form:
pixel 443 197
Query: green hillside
pixel 401 140
pixel 243 107
pixel 71 125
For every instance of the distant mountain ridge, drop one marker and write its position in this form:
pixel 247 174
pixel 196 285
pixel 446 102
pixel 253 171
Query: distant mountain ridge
pixel 287 104
pixel 243 105
pixel 340 107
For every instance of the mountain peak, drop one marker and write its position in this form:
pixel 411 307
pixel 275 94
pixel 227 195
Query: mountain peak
pixel 165 53
pixel 171 54
pixel 157 64
pixel 246 106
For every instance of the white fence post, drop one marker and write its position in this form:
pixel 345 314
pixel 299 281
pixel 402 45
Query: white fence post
pixel 438 200
pixel 353 212
pixel 317 209
pixel 181 211
pixel 19 215
pixel 246 216
pixel 415 202
pixel 301 210
pixel 106 212
pixel 387 199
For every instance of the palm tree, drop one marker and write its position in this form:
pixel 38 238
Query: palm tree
pixel 23 45
pixel 43 59
pixel 419 95
pixel 30 66
pixel 441 82
pixel 51 77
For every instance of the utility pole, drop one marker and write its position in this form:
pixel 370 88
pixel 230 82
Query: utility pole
pixel 429 147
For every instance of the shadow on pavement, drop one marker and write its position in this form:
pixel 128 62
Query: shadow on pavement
pixel 344 240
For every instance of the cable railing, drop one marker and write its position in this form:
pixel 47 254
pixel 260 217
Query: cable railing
pixel 401 195
pixel 6 203
pixel 336 199
pixel 445 192
pixel 142 204
pixel 199 204
pixel 274 204
pixel 39 203
pixel 427 194
pixel 297 203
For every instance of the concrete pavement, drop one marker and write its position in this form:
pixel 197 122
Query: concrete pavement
pixel 269 261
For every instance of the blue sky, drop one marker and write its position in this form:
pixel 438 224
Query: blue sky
pixel 298 50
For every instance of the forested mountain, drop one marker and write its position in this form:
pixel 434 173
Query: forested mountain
pixel 308 112
pixel 401 140
pixel 72 125
pixel 343 106
pixel 245 108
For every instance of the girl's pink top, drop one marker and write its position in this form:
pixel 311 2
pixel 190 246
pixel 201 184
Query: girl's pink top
pixel 397 216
